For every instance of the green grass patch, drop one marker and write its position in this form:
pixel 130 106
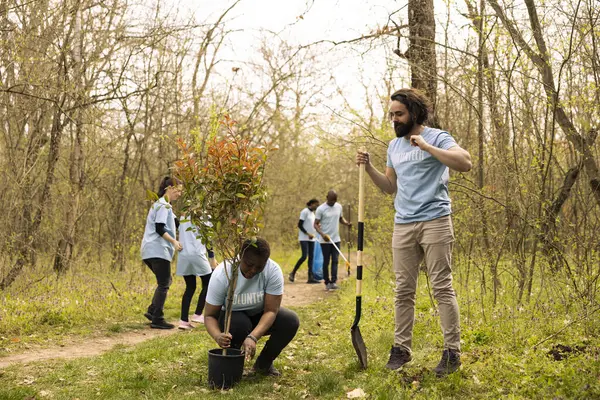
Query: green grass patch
pixel 499 357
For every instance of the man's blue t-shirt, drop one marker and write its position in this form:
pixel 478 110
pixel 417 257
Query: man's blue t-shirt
pixel 422 180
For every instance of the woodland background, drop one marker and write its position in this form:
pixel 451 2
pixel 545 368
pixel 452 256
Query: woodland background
pixel 94 94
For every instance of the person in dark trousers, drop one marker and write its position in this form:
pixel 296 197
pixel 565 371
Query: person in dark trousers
pixel 306 237
pixel 417 171
pixel 193 261
pixel 327 219
pixel 257 310
pixel 158 247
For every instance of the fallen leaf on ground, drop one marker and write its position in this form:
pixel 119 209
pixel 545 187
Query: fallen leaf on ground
pixel 28 381
pixel 356 394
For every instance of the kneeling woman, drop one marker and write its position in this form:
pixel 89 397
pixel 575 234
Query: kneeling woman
pixel 256 307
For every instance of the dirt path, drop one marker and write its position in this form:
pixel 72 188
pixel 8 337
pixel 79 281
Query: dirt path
pixel 296 294
pixel 300 293
pixel 84 347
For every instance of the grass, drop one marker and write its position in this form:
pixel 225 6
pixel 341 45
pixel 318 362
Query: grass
pixel 499 357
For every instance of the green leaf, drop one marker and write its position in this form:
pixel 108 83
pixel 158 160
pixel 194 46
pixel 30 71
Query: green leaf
pixel 240 195
pixel 150 195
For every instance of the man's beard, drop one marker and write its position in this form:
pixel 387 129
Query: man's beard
pixel 402 129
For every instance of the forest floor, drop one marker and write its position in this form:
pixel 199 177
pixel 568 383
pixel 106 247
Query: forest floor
pixel 296 294
pixel 85 337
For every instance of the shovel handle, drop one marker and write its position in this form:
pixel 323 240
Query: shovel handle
pixel 359 243
pixel 361 227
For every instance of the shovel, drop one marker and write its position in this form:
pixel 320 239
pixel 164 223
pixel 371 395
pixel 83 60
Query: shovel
pixel 341 254
pixel 357 340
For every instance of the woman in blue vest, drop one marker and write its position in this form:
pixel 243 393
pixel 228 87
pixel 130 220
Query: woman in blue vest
pixel 159 245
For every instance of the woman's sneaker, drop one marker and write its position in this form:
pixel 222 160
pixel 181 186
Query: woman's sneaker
pixel 185 325
pixel 199 319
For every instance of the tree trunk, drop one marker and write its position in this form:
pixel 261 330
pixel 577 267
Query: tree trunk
pixel 64 251
pixel 551 247
pixel 421 54
pixel 121 207
pixel 27 249
pixel 481 145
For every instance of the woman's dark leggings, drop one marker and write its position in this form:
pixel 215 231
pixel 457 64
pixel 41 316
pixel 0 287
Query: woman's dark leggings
pixel 162 271
pixel 308 249
pixel 281 333
pixel 190 288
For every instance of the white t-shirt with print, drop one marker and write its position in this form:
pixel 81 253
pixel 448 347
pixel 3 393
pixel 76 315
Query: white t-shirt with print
pixel 249 294
pixel 422 179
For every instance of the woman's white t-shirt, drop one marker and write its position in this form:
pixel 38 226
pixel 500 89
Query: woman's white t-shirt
pixel 309 225
pixel 249 294
pixel 153 245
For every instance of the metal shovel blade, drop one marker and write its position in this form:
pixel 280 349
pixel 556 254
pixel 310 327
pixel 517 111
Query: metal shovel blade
pixel 359 346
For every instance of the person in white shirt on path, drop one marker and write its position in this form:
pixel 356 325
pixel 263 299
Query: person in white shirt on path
pixel 306 237
pixel 327 219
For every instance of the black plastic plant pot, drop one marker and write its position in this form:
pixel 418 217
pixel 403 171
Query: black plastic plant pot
pixel 224 371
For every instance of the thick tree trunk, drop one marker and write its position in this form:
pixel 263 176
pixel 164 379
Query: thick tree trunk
pixel 421 54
